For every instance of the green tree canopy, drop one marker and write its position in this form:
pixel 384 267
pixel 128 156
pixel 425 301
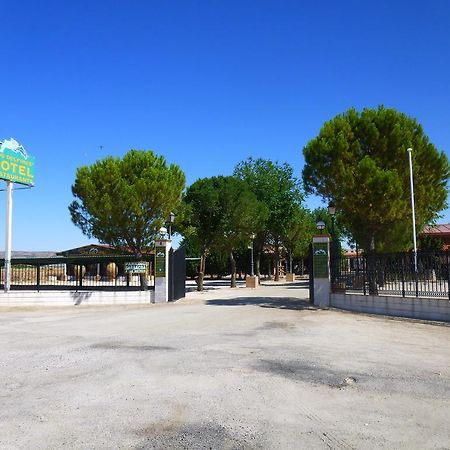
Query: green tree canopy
pixel 275 186
pixel 123 202
pixel 221 213
pixel 300 231
pixel 360 163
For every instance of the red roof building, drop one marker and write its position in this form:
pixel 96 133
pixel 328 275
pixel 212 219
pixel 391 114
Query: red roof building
pixel 441 232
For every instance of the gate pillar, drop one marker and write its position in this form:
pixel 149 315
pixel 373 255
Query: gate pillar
pixel 162 247
pixel 321 270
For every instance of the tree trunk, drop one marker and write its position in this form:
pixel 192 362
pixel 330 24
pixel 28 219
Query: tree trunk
pixel 277 262
pixel 269 268
pixel 257 265
pixel 233 270
pixel 143 276
pixel 201 272
pixel 143 280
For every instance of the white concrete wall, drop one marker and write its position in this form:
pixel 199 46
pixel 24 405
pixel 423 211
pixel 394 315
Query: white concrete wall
pixel 415 308
pixel 71 298
pixel 322 292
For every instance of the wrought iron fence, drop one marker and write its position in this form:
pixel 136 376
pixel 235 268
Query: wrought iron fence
pixel 393 274
pixel 108 273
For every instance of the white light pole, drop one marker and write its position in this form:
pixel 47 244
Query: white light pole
pixel 409 150
pixel 8 235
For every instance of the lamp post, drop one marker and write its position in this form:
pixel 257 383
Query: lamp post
pixel 332 213
pixel 334 247
pixel 252 265
pixel 320 226
pixel 171 221
pixel 162 233
pixel 409 150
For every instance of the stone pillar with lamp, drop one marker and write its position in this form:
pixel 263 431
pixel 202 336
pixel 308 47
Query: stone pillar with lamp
pixel 162 248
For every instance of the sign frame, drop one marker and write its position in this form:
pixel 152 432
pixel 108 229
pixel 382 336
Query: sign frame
pixel 16 165
pixel 136 267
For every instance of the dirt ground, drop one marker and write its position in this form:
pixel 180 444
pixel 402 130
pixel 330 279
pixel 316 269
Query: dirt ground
pixel 224 369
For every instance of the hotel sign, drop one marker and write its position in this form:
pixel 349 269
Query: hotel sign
pixel 15 164
pixel 160 261
pixel 320 259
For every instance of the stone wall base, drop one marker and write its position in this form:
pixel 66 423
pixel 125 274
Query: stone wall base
pixel 413 308
pixel 72 298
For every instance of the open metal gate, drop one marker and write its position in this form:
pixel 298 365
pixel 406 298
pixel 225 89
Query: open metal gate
pixel 311 274
pixel 177 273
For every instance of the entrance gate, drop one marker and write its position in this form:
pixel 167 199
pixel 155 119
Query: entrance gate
pixel 311 274
pixel 177 273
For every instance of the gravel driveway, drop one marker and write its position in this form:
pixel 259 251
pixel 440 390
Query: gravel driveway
pixel 225 369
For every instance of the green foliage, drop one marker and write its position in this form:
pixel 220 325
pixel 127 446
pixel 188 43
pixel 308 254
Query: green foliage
pixel 217 264
pixel 430 244
pixel 275 186
pixel 123 202
pixel 192 251
pixel 222 213
pixel 301 229
pixel 360 163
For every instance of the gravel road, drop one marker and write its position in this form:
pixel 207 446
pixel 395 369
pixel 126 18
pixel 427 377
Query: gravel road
pixel 225 369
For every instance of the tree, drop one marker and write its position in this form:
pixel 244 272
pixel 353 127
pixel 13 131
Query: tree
pixel 359 162
pixel 222 213
pixel 301 228
pixel 275 186
pixel 430 244
pixel 124 202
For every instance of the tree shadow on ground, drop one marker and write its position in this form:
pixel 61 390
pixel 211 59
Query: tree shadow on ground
pixel 265 302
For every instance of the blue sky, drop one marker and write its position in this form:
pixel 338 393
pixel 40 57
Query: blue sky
pixel 205 83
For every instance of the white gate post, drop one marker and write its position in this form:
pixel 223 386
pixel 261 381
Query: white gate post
pixel 321 270
pixel 162 248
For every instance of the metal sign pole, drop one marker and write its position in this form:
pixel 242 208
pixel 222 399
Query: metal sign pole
pixel 8 235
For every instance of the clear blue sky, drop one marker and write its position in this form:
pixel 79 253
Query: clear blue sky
pixel 205 83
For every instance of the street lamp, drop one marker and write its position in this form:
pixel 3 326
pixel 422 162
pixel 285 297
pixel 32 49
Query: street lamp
pixel 162 233
pixel 320 226
pixel 252 265
pixel 334 244
pixel 171 221
pixel 332 213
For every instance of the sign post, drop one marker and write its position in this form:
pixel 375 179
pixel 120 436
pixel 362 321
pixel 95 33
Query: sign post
pixel 16 166
pixel 8 235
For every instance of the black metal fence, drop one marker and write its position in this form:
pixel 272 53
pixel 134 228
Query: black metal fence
pixel 393 274
pixel 102 273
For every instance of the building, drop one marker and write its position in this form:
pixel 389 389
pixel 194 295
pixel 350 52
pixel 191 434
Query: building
pixel 441 232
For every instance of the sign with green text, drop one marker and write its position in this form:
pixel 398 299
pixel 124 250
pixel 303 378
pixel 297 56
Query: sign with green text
pixel 160 261
pixel 320 259
pixel 15 163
